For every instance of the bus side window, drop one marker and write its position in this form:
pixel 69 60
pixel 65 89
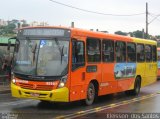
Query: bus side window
pixel 78 57
pixel 131 52
pixel 108 50
pixel 140 53
pixel 148 53
pixel 120 48
pixel 93 50
pixel 154 53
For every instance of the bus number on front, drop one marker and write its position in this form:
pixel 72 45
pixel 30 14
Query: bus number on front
pixel 51 83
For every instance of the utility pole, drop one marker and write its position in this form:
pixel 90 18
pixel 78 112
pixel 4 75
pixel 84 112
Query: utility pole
pixel 146 20
pixel 72 24
pixel 143 34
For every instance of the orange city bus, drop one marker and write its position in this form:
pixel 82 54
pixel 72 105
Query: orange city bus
pixel 68 64
pixel 158 53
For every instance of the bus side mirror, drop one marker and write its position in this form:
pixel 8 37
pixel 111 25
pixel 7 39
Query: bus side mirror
pixel 9 42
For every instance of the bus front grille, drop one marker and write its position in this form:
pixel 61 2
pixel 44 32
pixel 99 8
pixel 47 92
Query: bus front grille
pixel 36 87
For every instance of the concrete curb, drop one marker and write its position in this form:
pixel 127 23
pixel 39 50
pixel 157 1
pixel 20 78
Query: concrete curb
pixel 5 91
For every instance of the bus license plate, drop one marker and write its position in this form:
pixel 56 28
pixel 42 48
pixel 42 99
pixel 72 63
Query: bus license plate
pixel 34 94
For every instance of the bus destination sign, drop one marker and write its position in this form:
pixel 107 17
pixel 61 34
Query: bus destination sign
pixel 45 32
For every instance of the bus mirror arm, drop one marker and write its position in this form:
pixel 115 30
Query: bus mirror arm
pixel 62 53
pixel 16 48
pixel 9 42
pixel 9 45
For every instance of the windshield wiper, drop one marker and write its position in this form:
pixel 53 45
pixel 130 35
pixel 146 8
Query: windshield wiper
pixel 62 53
pixel 31 77
pixel 34 51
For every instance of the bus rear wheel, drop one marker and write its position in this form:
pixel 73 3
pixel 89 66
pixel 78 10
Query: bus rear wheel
pixel 137 86
pixel 90 94
pixel 45 101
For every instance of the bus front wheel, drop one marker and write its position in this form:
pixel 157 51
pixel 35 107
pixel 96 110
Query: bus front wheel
pixel 90 94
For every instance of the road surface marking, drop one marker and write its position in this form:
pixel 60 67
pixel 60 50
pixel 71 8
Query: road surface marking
pixel 60 117
pixel 158 93
pixel 98 109
pixel 80 112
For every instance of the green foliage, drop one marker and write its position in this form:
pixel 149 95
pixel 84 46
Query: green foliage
pixel 158 36
pixel 9 29
pixel 121 33
pixel 25 25
pixel 138 34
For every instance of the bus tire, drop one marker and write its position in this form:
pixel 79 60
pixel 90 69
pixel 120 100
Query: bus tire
pixel 45 101
pixel 137 86
pixel 91 93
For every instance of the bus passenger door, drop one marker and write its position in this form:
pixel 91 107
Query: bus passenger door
pixel 151 69
pixel 109 82
pixel 149 73
pixel 77 70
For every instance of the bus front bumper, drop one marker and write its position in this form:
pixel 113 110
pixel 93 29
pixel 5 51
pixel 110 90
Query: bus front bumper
pixel 56 95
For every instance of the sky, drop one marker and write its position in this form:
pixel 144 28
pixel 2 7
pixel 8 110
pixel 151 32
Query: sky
pixel 56 14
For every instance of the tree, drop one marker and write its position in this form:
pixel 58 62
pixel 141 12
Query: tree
pixel 121 33
pixel 9 29
pixel 25 25
pixel 138 34
pixel 158 36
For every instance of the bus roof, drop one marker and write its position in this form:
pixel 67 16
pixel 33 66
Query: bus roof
pixel 83 32
pixel 88 33
pixel 32 27
pixel 140 40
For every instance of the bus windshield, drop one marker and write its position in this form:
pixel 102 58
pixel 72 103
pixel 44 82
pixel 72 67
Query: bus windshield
pixel 42 57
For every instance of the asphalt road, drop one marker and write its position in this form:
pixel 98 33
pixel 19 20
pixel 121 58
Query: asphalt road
pixel 147 102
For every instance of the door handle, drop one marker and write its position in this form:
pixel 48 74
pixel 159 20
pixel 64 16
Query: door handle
pixel 83 76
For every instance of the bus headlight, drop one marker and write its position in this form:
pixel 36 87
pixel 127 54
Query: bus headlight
pixel 13 78
pixel 63 81
pixel 61 84
pixel 14 81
